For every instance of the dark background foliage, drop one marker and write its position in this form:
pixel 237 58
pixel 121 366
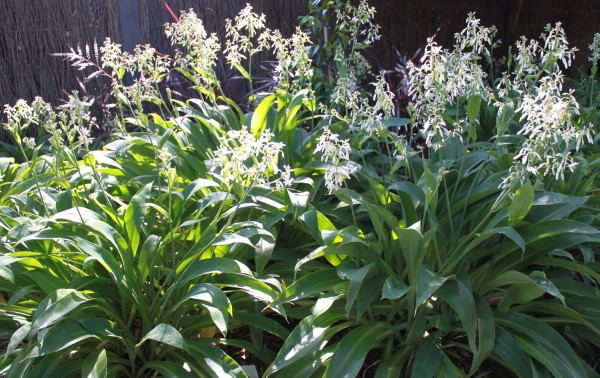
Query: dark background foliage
pixel 31 30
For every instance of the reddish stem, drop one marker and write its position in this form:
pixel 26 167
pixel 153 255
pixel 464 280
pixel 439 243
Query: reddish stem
pixel 173 15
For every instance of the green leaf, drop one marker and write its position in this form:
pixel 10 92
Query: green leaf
pixel 473 108
pixel 356 277
pixel 510 352
pixel 168 369
pixel 305 339
pixel 214 300
pixel 412 249
pixel 195 186
pixel 165 334
pixel 148 255
pixel 95 366
pixel 521 203
pixel 427 283
pixel 310 284
pixel 486 327
pixel 217 361
pixel 317 225
pixel 70 333
pixel 427 359
pixel 447 369
pixel 259 117
pixel 460 298
pixel 544 344
pixel 56 307
pixel 503 118
pixel 394 289
pixel 352 350
pixel 263 322
pixel 18 337
pixel 134 216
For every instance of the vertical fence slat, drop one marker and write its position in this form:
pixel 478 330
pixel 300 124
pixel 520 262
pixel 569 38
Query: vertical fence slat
pixel 130 23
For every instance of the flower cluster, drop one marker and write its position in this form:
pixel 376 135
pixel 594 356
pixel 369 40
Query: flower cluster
pixel 336 153
pixel 18 117
pixel 146 66
pixel 444 77
pixel 357 21
pixel 535 59
pixel 293 69
pixel 200 50
pixel 476 38
pixel 246 35
pixel 247 160
pixel 550 130
pixel 595 50
pixel 72 123
pixel 360 113
pixel 76 120
pixel 556 47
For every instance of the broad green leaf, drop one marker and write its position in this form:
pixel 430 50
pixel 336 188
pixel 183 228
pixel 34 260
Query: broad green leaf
pixel 18 337
pixel 259 117
pixel 165 334
pixel 460 298
pixel 356 277
pixel 317 223
pixel 56 307
pixel 305 339
pixel 411 243
pixel 218 362
pixel 520 204
pixel 69 333
pixel 427 359
pixel 168 369
pixel 486 333
pixel 209 266
pixel 510 352
pixel 95 366
pixel 214 300
pixel 310 284
pixel 503 118
pixel 263 322
pixel 254 287
pixel 544 344
pixel 394 289
pixel 148 256
pixel 447 369
pixel 352 350
pixel 195 186
pixel 428 283
pixel 473 108
pixel 134 216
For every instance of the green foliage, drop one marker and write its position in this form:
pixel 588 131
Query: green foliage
pixel 201 238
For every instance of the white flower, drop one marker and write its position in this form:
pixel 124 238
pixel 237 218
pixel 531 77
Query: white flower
pixel 556 46
pixel 29 143
pixel 294 67
pixel 246 36
pixel 595 50
pixel 18 117
pixel 357 21
pixel 475 37
pixel 76 120
pixel 550 131
pixel 445 76
pixel 114 58
pixel 336 152
pixel 200 50
pixel 243 159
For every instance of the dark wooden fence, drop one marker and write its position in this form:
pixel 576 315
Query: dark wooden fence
pixel 30 30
